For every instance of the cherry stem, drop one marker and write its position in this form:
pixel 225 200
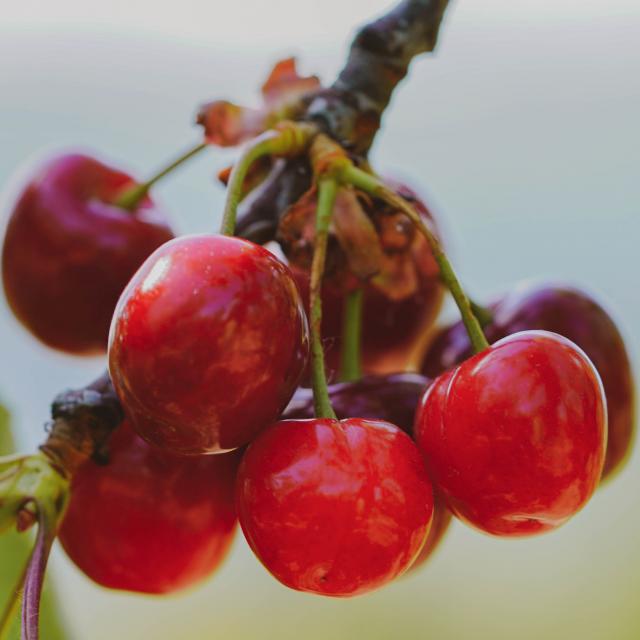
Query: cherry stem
pixel 12 606
pixel 350 354
pixel 47 526
pixel 373 186
pixel 286 139
pixel 257 148
pixel 484 314
pixel 327 191
pixel 133 196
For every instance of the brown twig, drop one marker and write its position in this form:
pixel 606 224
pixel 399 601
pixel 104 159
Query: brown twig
pixel 350 111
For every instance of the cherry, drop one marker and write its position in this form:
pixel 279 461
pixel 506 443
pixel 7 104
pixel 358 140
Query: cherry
pixel 390 328
pixel 208 343
pixel 575 315
pixel 149 521
pixel 69 252
pixel 336 508
pixel 392 398
pixel 515 436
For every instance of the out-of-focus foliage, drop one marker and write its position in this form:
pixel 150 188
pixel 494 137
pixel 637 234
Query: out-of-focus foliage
pixel 14 550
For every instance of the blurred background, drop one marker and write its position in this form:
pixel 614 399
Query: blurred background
pixel 523 132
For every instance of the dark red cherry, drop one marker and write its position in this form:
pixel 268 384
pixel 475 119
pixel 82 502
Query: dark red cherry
pixel 575 315
pixel 391 328
pixel 208 343
pixel 515 437
pixel 149 521
pixel 393 398
pixel 69 252
pixel 336 508
pixel 441 521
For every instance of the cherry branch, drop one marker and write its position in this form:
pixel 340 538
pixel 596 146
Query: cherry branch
pixel 350 111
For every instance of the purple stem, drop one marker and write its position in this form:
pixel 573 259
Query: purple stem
pixel 35 574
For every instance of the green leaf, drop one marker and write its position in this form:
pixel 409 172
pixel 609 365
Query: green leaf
pixel 14 551
pixel 6 441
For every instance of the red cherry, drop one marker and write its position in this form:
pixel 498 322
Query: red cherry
pixel 575 315
pixel 68 252
pixel 208 343
pixel 391 328
pixel 515 437
pixel 336 508
pixel 149 521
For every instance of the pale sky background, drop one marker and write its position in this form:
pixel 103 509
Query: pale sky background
pixel 523 130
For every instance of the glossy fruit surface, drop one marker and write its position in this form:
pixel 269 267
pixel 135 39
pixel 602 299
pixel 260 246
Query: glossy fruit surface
pixel 149 521
pixel 575 315
pixel 515 437
pixel 208 343
pixel 393 398
pixel 391 327
pixel 332 507
pixel 68 252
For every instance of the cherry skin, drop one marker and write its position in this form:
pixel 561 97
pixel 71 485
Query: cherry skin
pixel 336 508
pixel 149 521
pixel 208 343
pixel 393 398
pixel 515 436
pixel 69 251
pixel 391 328
pixel 575 315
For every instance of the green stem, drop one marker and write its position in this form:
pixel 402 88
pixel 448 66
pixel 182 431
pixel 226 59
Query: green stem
pixel 288 139
pixel 372 185
pixel 260 146
pixel 350 357
pixel 484 315
pixel 327 190
pixel 132 197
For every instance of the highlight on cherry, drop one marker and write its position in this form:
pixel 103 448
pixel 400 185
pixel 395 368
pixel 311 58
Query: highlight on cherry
pixel 286 373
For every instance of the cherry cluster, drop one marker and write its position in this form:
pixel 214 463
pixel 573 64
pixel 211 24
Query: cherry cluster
pixel 213 341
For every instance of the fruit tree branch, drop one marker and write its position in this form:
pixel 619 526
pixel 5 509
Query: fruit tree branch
pixel 350 111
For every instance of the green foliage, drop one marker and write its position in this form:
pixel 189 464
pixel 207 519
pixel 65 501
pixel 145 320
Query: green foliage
pixel 14 550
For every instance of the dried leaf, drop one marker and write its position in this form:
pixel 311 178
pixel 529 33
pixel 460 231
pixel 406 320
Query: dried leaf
pixel 398 278
pixel 285 85
pixel 227 124
pixel 296 230
pixel 357 235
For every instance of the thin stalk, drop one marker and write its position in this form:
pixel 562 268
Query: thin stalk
pixel 260 146
pixel 327 190
pixel 484 315
pixel 350 354
pixel 47 527
pixel 373 186
pixel 132 197
pixel 288 139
